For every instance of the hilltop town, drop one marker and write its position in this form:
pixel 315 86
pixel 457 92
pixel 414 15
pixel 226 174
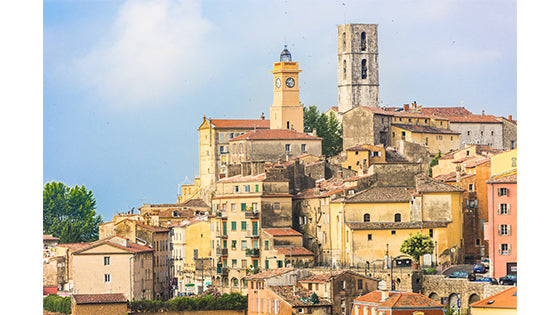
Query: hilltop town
pixel 273 218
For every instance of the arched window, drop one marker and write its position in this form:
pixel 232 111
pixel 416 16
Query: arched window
pixel 363 44
pixel 366 217
pixel 398 217
pixel 344 70
pixel 364 69
pixel 343 41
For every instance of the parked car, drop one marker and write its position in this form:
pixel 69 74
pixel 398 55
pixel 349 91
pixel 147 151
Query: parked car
pixel 487 279
pixel 479 268
pixel 509 280
pixel 459 275
pixel 485 262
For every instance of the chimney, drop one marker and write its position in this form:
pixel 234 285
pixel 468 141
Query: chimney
pixel 458 175
pixel 384 295
pixel 340 174
pixel 406 107
pixel 482 113
pixel 509 117
pixel 314 132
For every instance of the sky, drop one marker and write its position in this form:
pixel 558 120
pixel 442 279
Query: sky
pixel 126 83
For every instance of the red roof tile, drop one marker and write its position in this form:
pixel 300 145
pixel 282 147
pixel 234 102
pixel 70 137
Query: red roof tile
pixel 269 273
pixel 74 246
pixel 240 178
pixel 275 134
pixel 323 277
pixel 400 300
pixel 508 178
pixel 426 129
pixel 240 123
pixel 99 298
pixel 296 295
pixel 282 232
pixel 446 111
pixel 48 237
pixel 294 251
pixel 504 299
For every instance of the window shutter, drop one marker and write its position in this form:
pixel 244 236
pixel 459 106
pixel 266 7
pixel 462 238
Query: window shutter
pixel 509 230
pixel 508 208
pixel 498 208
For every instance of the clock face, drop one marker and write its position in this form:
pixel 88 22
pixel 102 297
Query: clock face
pixel 278 82
pixel 290 82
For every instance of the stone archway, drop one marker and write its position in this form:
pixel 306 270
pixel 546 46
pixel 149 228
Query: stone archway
pixel 453 301
pixel 473 298
pixel 434 296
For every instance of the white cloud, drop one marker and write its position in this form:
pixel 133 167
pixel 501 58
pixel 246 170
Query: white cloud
pixel 154 51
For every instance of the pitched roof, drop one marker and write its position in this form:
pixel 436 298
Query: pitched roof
pixel 132 247
pixel 504 299
pixel 282 232
pixel 269 273
pixel 409 300
pixel 323 277
pixel 296 295
pixel 99 298
pixel 446 111
pixel 48 237
pixel 240 123
pixel 151 228
pixel 382 194
pixel 294 251
pixel 396 225
pixel 241 178
pixel 426 129
pixel 427 185
pixel 74 246
pixel 275 134
pixel 508 178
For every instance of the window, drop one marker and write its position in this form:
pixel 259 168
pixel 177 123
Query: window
pixel 363 45
pixel 255 206
pixel 233 244
pixel 503 208
pixel 256 188
pixel 303 148
pixel 344 70
pixel 243 244
pixel 234 265
pixel 246 188
pixel 234 226
pixel 343 41
pixel 235 189
pixel 398 217
pixel 266 245
pixel 107 277
pixel 364 69
pixel 244 265
pixel 502 191
pixel 431 232
pixel 366 217
pixel 360 284
pixel 343 285
pixel 504 229
pixel 468 134
pixel 276 206
pixel 233 207
pixel 276 306
pixel 287 147
pixel 243 226
pixel 393 232
pixel 369 237
pixel 375 153
pixel 426 140
pixel 504 249
pixel 243 207
pixel 471 187
pixel 106 260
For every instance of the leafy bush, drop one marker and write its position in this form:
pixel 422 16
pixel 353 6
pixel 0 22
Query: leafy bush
pixel 56 303
pixel 206 301
pixel 431 271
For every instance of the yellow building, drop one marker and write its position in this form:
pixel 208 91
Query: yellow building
pixel 504 162
pixel 286 111
pixel 359 158
pixel 367 224
pixel 435 139
pixel 114 265
pixel 190 191
pixel 448 163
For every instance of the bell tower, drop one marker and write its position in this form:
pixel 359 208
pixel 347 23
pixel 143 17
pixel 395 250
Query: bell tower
pixel 286 111
pixel 358 68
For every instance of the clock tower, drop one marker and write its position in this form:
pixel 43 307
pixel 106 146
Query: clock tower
pixel 286 111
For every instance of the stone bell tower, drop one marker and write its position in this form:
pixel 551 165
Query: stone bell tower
pixel 358 68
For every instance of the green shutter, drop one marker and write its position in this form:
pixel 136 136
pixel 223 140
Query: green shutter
pixel 243 226
pixel 243 206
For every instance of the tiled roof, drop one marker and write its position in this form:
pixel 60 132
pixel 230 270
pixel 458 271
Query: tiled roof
pixel 372 297
pixel 396 225
pixel 48 237
pixel 382 194
pixel 294 251
pixel 240 178
pixel 152 228
pixel 180 213
pixel 240 123
pixel 476 162
pixel 296 295
pixel 409 300
pixel 504 299
pixel 426 185
pixel 99 298
pixel 446 111
pixel 282 232
pixel 334 108
pixel 508 178
pixel 323 277
pixel 195 203
pixel 377 110
pixel 132 247
pixel 275 134
pixel 426 129
pixel 269 273
pixel 473 119
pixel 323 188
pixel 74 246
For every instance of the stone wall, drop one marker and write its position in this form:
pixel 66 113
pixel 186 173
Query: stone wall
pixel 395 175
pixel 479 133
pixel 416 153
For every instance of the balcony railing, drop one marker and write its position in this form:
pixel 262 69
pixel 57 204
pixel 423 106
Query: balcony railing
pixel 251 235
pixel 252 214
pixel 252 252
pixel 221 251
pixel 221 214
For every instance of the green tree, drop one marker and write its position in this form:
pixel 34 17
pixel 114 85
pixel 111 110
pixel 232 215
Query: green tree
pixel 327 127
pixel 434 162
pixel 417 245
pixel 69 213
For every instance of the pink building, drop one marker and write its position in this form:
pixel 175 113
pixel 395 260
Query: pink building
pixel 501 229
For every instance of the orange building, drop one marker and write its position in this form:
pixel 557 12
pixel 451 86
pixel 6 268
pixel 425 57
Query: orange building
pixel 396 303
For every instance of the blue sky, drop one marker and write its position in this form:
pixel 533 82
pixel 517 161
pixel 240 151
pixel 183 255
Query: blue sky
pixel 126 83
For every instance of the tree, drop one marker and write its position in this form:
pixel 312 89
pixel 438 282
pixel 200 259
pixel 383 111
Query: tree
pixel 69 213
pixel 417 245
pixel 327 127
pixel 434 162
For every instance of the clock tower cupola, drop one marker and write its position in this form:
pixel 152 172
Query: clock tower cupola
pixel 286 111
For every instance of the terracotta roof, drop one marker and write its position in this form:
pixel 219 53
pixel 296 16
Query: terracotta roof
pixel 425 129
pixel 504 299
pixel 48 237
pixel 74 246
pixel 294 251
pixel 240 178
pixel 99 298
pixel 296 295
pixel 240 123
pixel 473 119
pixel 323 277
pixel 372 297
pixel 446 111
pixel 132 247
pixel 275 134
pixel 409 300
pixel 195 203
pixel 382 194
pixel 426 185
pixel 334 108
pixel 151 228
pixel 282 232
pixel 507 178
pixel 269 273
pixel 179 213
pixel 476 162
pixel 396 225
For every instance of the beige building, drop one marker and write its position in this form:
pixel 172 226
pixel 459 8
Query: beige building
pixel 65 251
pixel 95 304
pixel 114 265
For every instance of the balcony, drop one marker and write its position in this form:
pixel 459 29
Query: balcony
pixel 221 215
pixel 221 252
pixel 251 235
pixel 222 235
pixel 252 252
pixel 252 214
pixel 222 270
